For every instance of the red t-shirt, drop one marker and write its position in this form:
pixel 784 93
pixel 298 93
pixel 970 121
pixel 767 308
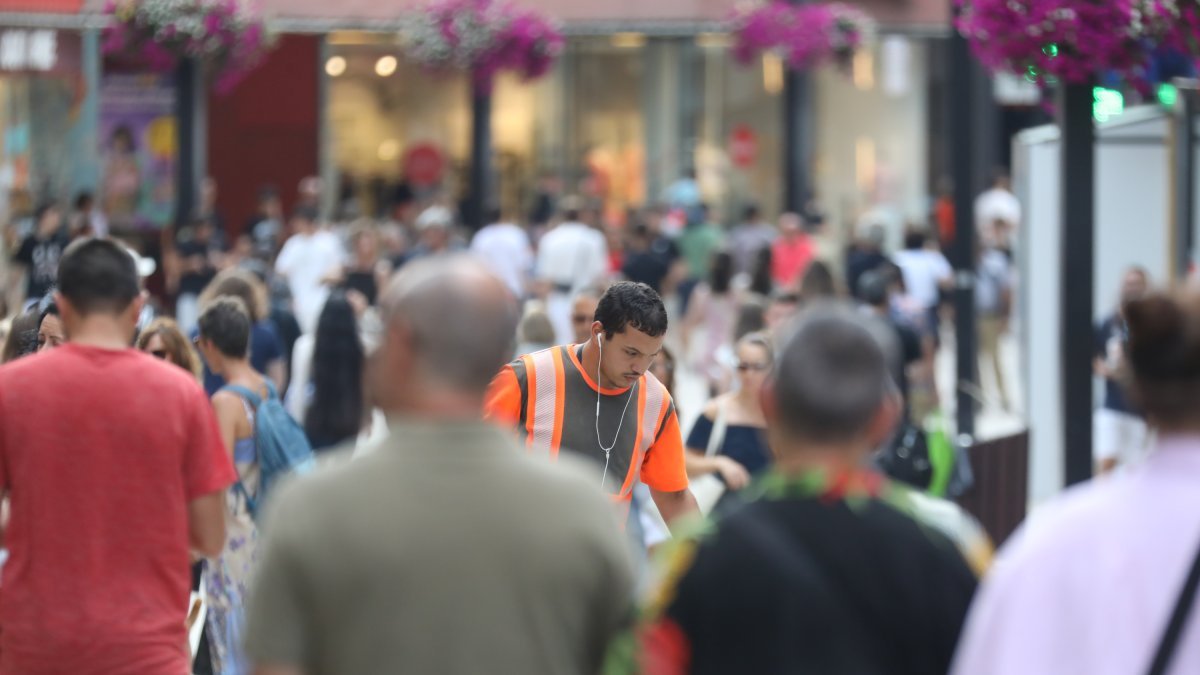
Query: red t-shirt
pixel 101 451
pixel 790 259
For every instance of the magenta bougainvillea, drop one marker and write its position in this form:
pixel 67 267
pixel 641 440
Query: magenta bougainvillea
pixel 803 35
pixel 1073 40
pixel 482 37
pixel 224 35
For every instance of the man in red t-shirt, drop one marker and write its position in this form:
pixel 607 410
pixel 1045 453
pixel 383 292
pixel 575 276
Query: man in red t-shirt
pixel 792 252
pixel 114 466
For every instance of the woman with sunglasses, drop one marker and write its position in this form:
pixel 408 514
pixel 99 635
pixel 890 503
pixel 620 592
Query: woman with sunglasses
pixel 727 446
pixel 163 339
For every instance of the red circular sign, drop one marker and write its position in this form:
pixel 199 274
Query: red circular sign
pixel 424 164
pixel 743 146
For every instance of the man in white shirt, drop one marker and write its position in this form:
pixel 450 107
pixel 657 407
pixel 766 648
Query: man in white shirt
pixel 926 273
pixel 998 204
pixel 571 257
pixel 308 258
pixel 504 248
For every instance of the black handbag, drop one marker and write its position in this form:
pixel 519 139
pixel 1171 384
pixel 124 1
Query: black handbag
pixel 906 458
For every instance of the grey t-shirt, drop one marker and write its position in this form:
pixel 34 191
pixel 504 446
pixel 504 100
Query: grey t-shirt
pixel 446 550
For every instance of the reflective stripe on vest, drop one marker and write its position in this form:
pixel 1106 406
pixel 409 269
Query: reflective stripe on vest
pixel 544 372
pixel 651 403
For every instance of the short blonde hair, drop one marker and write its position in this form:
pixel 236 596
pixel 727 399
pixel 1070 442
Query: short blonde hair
pixel 242 285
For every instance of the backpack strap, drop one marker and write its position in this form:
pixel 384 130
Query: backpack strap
pixel 1179 618
pixel 272 393
pixel 252 398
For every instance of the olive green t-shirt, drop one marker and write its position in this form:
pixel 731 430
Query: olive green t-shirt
pixel 445 550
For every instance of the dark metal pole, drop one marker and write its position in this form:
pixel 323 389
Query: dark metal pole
pixel 1185 175
pixel 798 129
pixel 481 156
pixel 1078 250
pixel 962 121
pixel 191 112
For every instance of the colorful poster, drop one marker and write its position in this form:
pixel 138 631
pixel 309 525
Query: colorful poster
pixel 138 150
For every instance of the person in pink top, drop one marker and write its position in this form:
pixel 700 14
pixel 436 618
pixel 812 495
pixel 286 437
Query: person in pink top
pixel 792 251
pixel 116 474
pixel 1090 584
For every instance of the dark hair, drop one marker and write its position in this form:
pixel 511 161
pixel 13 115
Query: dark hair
pixel 873 287
pixel 915 238
pixel 750 213
pixel 494 214
pixel 47 307
pixel 267 192
pixel 337 409
pixel 751 318
pixel 226 323
pixel 98 275
pixel 41 211
pixel 818 283
pixel 720 275
pixel 22 337
pixel 1163 356
pixel 123 131
pixel 831 376
pixel 83 199
pixel 633 305
pixel 761 281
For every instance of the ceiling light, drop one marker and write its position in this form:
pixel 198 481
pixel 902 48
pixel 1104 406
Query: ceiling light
pixel 385 66
pixel 335 66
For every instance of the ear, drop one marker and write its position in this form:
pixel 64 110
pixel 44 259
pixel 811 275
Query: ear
pixel 883 423
pixel 597 329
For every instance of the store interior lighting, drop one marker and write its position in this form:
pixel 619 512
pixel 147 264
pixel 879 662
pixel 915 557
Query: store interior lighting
pixel 772 67
pixel 335 66
pixel 628 40
pixel 385 66
pixel 389 150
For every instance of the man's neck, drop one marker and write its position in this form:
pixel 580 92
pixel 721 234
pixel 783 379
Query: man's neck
pixel 435 404
pixel 101 331
pixel 798 457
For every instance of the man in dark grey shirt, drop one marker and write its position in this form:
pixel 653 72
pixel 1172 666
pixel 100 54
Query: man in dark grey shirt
pixel 445 549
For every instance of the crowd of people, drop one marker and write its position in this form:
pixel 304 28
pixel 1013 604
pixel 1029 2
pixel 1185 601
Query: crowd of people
pixel 498 451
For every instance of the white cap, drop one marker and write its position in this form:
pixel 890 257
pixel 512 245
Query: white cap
pixel 435 216
pixel 145 266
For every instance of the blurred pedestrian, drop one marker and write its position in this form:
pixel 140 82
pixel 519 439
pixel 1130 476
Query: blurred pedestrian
pixel 570 258
pixel 266 353
pixel 105 508
pixel 818 284
pixel 309 260
pixel 604 375
pixel 225 343
pixel 86 219
pixel 50 334
pixel 926 274
pixel 866 254
pixel 163 339
pixel 993 305
pixel 997 203
pixel 781 308
pixel 1121 433
pixel 328 393
pixel 22 337
pixel 748 238
pixel 37 258
pixel 452 526
pixel 792 252
pixel 698 244
pixel 827 552
pixel 534 333
pixel 760 280
pixel 435 232
pixel 708 325
pixel 583 313
pixel 366 272
pixel 1126 608
pixel 643 264
pixel 265 227
pixel 875 290
pixel 199 258
pixel 504 247
pixel 727 446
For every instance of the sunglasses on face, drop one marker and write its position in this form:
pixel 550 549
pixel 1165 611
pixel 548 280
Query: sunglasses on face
pixel 752 367
pixel 159 354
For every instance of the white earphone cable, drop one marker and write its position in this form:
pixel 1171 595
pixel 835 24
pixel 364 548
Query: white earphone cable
pixel 620 423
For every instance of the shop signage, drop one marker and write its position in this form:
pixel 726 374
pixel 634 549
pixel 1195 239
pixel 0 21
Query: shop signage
pixel 24 50
pixel 424 164
pixel 743 146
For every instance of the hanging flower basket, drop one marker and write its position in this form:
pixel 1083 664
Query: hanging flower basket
pixel 224 35
pixel 804 35
pixel 1068 40
pixel 482 37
